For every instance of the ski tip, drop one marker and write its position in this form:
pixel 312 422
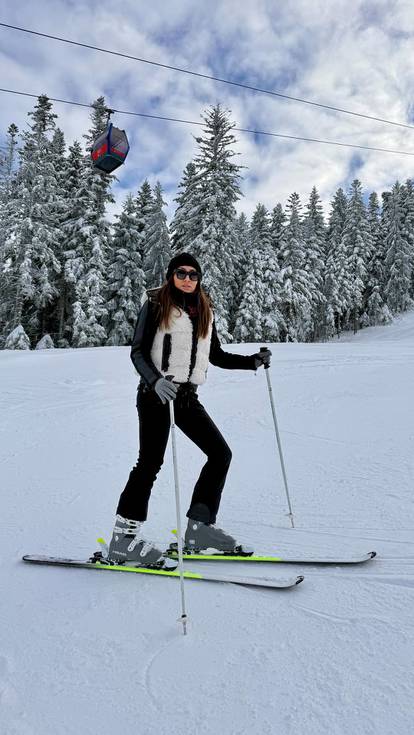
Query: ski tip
pixel 300 579
pixel 174 531
pixel 372 554
pixel 100 540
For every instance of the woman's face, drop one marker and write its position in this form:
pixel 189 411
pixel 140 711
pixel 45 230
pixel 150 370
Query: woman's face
pixel 187 285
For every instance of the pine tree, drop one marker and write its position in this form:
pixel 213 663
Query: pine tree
pixel 265 304
pixel 375 309
pixel 17 339
pixel 45 194
pixel 126 279
pixel 8 160
pixel 398 259
pixel 315 237
pixel 144 206
pixel 277 228
pixel 408 218
pixel 207 248
pixel 89 309
pixel 32 236
pixel 296 299
pixel 337 286
pixel 8 182
pixel 217 193
pixel 54 323
pixel 158 248
pixel 357 241
pixel 75 239
pixel 242 232
pixel 248 327
pixel 184 227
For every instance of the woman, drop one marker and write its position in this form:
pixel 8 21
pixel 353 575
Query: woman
pixel 176 334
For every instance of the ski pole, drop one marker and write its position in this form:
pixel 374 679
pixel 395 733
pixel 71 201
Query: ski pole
pixel 183 618
pixel 279 444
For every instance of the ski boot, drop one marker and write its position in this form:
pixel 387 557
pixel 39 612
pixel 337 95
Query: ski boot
pixel 203 538
pixel 128 547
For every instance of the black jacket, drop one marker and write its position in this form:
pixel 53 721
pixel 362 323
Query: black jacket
pixel 144 334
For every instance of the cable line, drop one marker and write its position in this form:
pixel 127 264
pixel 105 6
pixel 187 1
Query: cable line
pixel 204 76
pixel 194 122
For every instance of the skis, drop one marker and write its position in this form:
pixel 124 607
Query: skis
pixel 94 563
pixel 285 559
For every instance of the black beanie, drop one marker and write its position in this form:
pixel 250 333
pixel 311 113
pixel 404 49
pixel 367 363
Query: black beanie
pixel 182 259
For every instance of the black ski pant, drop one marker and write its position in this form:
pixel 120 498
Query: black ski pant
pixel 154 427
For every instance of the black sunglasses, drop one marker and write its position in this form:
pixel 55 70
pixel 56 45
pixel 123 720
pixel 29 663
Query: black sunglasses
pixel 182 274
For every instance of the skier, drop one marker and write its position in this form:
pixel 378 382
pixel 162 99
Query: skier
pixel 176 334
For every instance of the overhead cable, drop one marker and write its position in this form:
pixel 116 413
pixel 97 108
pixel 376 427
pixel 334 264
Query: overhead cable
pixel 250 87
pixel 193 122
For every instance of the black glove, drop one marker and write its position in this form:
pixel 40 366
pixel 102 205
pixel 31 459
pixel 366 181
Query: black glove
pixel 262 358
pixel 165 390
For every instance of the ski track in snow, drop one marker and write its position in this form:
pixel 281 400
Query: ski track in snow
pixel 84 652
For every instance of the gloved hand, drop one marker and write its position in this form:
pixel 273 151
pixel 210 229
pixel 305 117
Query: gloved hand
pixel 165 390
pixel 262 358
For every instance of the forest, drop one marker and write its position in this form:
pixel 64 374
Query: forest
pixel 71 277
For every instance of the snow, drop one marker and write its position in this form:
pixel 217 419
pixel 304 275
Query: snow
pixel 84 652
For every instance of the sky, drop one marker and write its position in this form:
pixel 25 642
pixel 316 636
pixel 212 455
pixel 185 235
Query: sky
pixel 351 54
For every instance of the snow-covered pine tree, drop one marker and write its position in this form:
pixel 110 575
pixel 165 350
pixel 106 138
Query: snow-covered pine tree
pixel 218 191
pixel 375 310
pixel 408 217
pixel 126 279
pixel 8 160
pixel 185 225
pixel 398 258
pixel 8 178
pixel 337 286
pixel 56 312
pixel 17 339
pixel 296 299
pixel 248 324
pixel 89 309
pixel 33 232
pixel 266 303
pixel 374 215
pixel 315 255
pixel 216 269
pixel 277 228
pixel 242 230
pixel 75 238
pixel 144 205
pixel 357 241
pixel 158 247
pixel 46 192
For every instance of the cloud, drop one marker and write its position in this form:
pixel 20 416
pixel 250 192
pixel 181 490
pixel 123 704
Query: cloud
pixel 354 56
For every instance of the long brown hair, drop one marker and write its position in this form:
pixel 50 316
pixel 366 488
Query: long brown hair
pixel 166 304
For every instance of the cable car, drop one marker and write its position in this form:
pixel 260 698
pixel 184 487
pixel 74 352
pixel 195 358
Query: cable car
pixel 110 150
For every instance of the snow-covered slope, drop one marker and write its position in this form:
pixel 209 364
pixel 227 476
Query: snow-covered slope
pixel 82 653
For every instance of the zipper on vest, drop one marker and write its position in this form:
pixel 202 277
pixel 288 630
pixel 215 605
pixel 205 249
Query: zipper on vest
pixel 194 345
pixel 166 352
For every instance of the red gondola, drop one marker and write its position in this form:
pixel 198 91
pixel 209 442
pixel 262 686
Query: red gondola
pixel 110 150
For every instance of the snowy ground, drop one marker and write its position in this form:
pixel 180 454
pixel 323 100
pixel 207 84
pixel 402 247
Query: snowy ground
pixel 84 652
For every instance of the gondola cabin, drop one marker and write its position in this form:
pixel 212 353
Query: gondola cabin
pixel 110 150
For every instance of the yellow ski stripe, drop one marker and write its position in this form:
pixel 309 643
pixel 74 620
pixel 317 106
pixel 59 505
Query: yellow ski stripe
pixel 144 570
pixel 223 557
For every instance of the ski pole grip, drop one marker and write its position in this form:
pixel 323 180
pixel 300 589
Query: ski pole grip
pixel 264 349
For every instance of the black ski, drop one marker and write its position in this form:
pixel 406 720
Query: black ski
pixel 283 559
pixel 98 563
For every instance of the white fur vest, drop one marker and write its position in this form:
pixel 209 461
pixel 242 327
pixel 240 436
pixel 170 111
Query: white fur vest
pixel 171 350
